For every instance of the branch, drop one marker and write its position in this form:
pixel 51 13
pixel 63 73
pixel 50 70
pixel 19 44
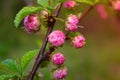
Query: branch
pixel 48 53
pixel 86 12
pixel 41 56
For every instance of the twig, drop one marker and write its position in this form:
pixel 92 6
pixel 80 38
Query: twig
pixel 48 53
pixel 85 13
pixel 41 56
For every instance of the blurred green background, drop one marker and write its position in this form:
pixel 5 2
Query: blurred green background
pixel 98 60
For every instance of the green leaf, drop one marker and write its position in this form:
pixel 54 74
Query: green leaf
pixel 46 72
pixel 43 3
pixel 6 77
pixel 49 4
pixel 27 58
pixel 4 69
pixel 24 12
pixel 91 2
pixel 67 12
pixel 10 64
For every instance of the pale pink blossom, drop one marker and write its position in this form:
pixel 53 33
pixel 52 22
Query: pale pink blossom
pixel 78 41
pixel 117 5
pixel 60 74
pixel 102 12
pixel 56 38
pixel 72 23
pixel 58 59
pixel 69 4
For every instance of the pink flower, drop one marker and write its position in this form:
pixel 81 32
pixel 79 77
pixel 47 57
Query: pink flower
pixel 69 4
pixel 117 5
pixel 60 74
pixel 58 59
pixel 78 41
pixel 73 19
pixel 56 38
pixel 31 23
pixel 71 27
pixel 72 23
pixel 102 12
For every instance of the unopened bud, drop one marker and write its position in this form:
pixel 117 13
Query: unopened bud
pixel 31 23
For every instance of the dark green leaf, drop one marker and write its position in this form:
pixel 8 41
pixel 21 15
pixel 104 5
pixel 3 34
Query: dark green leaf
pixel 24 12
pixel 27 58
pixel 11 65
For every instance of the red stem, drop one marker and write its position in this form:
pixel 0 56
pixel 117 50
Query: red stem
pixel 85 13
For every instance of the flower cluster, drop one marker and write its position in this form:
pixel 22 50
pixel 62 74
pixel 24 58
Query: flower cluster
pixel 72 26
pixel 57 38
pixel 58 59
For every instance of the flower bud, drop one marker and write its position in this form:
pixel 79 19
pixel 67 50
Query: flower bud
pixel 31 23
pixel 116 5
pixel 78 41
pixel 102 12
pixel 72 23
pixel 56 38
pixel 60 74
pixel 71 27
pixel 58 59
pixel 69 4
pixel 44 14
